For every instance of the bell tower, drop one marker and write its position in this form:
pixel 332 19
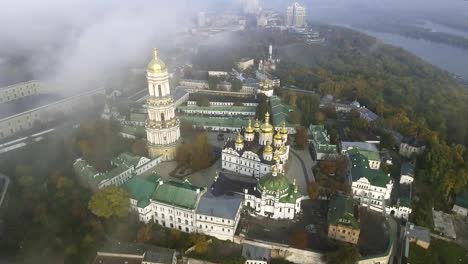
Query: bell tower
pixel 162 126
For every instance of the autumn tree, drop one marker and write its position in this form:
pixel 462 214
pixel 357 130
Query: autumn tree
pixel 301 137
pixel 294 117
pixel 313 190
pixel 200 242
pixel 328 167
pixel 110 201
pixel 145 233
pixel 139 148
pixel 298 239
pixel 203 151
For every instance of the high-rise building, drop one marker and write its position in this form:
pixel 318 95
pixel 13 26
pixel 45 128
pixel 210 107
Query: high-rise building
pixel 201 19
pixel 162 126
pixel 295 16
pixel 251 6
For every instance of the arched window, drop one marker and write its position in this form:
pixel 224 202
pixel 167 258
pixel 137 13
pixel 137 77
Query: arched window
pixel 162 117
pixel 159 90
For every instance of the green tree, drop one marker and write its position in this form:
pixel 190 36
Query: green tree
pixel 213 83
pixel 110 201
pixel 294 117
pixel 236 85
pixel 262 107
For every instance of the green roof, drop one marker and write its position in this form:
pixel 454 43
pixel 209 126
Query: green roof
pixel 462 199
pixel 370 155
pixel 292 196
pixel 140 190
pixel 272 183
pixel 138 117
pixel 341 212
pixel 133 130
pixel 407 168
pixel 181 194
pixel 406 202
pixel 126 158
pixel 280 112
pixel 319 133
pixel 360 168
pixel 215 121
pixel 219 108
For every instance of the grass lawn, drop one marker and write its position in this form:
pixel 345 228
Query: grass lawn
pixel 440 252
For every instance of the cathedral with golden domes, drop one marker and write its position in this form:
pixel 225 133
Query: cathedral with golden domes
pixel 162 126
pixel 256 149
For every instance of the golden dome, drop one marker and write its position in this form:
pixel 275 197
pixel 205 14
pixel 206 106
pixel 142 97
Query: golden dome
pixel 156 65
pixel 283 129
pixel 278 136
pixel 268 148
pixel 274 169
pixel 257 124
pixel 267 127
pixel 239 139
pixel 249 129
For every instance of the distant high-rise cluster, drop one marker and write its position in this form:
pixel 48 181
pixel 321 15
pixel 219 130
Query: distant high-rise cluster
pixel 295 16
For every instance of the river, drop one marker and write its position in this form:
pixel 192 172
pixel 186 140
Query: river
pixel 452 59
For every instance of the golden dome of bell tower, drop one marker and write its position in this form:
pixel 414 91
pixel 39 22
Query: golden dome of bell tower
pixel 156 65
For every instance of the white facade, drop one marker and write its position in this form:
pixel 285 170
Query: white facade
pixel 254 153
pixel 162 126
pixel 401 212
pixel 11 125
pixel 245 63
pixel 406 150
pixel 216 111
pixel 371 196
pixel 20 90
pixel 282 202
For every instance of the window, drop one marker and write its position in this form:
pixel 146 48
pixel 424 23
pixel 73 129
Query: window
pixel 159 90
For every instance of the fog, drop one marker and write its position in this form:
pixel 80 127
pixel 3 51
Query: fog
pixel 74 43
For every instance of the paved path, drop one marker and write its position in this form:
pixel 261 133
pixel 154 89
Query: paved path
pixel 304 168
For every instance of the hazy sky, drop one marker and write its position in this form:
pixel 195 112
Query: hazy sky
pixel 79 40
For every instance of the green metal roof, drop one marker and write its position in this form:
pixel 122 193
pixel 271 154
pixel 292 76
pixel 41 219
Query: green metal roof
pixel 360 168
pixel 140 190
pixel 272 183
pixel 133 130
pixel 407 168
pixel 341 212
pixel 215 121
pixel 181 194
pixel 280 112
pixel 292 196
pixel 462 199
pixel 138 117
pixel 370 155
pixel 126 158
pixel 319 133
pixel 219 108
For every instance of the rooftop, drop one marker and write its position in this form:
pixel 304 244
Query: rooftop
pixel 320 135
pixel 420 233
pixel 462 199
pixel 234 183
pixel 370 155
pixel 27 103
pixel 149 253
pixel 215 121
pixel 407 168
pixel 280 112
pixel 346 145
pixel 341 212
pixel 224 206
pixel 252 252
pixel 219 108
pixel 141 189
pixel 220 97
pixel 182 194
pixel 360 168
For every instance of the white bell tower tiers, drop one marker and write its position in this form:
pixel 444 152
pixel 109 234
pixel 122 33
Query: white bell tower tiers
pixel 162 126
